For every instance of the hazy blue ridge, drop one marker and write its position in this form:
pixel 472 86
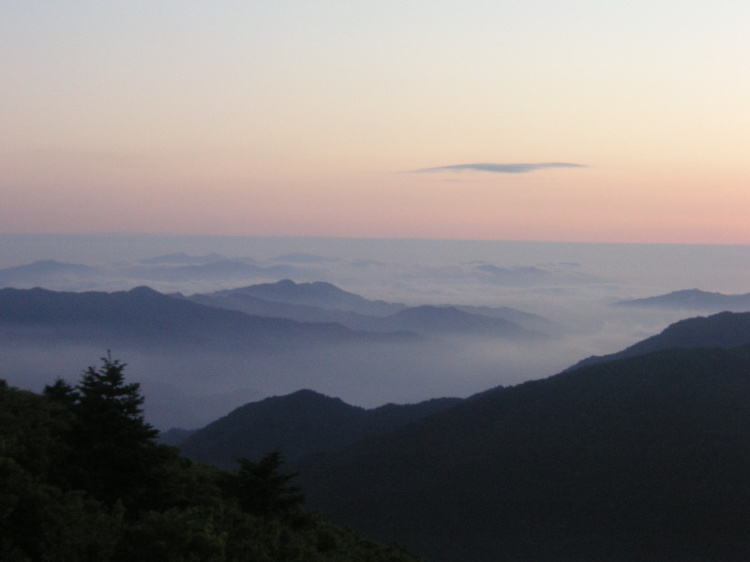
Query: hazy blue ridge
pixel 693 299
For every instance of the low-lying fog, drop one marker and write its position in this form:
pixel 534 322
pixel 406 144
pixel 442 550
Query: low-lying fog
pixel 571 285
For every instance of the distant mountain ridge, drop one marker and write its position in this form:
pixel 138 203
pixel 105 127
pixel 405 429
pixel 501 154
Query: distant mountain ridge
pixel 187 350
pixel 168 268
pixel 150 319
pixel 42 271
pixel 324 302
pixel 317 294
pixel 694 299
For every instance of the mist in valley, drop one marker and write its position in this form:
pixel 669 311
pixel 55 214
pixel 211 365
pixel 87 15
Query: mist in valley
pixel 571 287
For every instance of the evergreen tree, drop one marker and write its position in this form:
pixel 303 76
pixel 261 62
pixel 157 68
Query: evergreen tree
pixel 62 393
pixel 110 408
pixel 263 490
pixel 113 446
pixel 81 479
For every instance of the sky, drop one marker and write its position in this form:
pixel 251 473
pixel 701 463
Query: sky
pixel 550 120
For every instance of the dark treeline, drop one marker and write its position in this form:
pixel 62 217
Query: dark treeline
pixel 83 479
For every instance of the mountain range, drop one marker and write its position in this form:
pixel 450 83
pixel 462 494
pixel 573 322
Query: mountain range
pixel 317 294
pixel 43 271
pixel 171 268
pixel 642 458
pixel 433 281
pixel 695 300
pixel 639 457
pixel 324 302
pixel 198 361
pixel 147 319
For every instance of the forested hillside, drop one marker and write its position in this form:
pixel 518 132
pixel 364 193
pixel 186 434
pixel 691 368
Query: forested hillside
pixel 82 479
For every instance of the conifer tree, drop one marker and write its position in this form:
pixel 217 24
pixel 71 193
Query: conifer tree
pixel 110 409
pixel 263 490
pixel 113 447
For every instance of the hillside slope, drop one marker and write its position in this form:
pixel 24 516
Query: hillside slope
pixel 298 424
pixel 725 329
pixel 644 458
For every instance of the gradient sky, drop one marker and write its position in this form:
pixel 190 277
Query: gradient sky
pixel 595 120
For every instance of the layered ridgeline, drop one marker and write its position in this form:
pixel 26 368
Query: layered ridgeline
pixel 146 318
pixel 642 457
pixel 324 302
pixel 201 357
pixel 171 268
pixel 197 361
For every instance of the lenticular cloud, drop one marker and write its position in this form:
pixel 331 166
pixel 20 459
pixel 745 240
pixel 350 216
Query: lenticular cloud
pixel 500 168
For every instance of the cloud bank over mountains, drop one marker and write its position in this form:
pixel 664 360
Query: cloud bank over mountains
pixel 499 168
pixel 563 290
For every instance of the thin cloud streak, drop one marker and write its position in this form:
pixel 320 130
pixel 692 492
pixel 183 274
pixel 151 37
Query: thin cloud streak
pixel 499 168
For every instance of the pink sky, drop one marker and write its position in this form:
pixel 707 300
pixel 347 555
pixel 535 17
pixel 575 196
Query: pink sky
pixel 287 119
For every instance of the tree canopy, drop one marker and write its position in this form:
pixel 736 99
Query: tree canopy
pixel 82 478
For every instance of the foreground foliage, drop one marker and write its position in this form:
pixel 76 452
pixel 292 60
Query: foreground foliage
pixel 82 479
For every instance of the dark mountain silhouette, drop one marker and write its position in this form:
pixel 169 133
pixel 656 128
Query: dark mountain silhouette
pixel 643 458
pixel 40 272
pixel 726 329
pixel 298 424
pixel 694 299
pixel 147 319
